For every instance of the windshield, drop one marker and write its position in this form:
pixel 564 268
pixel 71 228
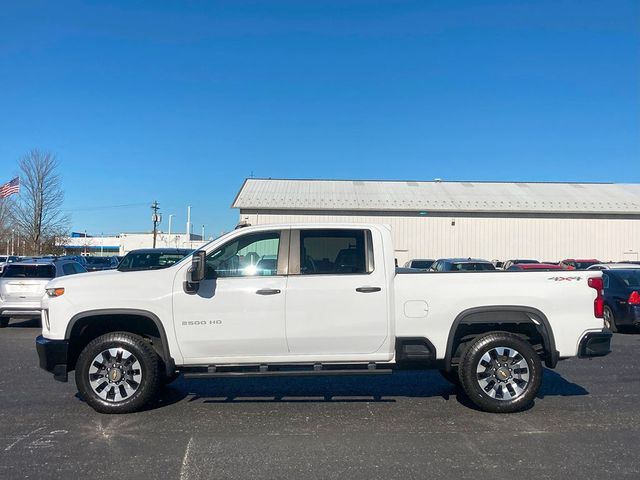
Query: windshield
pixel 584 265
pixel 631 278
pixel 149 261
pixel 28 271
pixel 99 260
pixel 424 264
pixel 472 266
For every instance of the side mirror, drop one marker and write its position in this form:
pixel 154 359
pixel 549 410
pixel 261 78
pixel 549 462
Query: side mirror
pixel 198 266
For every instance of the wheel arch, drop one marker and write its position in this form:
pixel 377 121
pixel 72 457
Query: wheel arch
pixel 496 317
pixel 92 323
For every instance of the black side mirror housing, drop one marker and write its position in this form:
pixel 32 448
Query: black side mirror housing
pixel 198 269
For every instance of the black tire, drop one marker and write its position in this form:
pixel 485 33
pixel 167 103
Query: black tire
pixel 505 389
pixel 142 377
pixel 451 376
pixel 4 321
pixel 610 319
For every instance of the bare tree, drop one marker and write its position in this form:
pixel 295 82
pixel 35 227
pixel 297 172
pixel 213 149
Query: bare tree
pixel 38 210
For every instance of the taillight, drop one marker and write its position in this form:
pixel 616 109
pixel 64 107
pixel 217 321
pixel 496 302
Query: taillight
pixel 634 298
pixel 598 304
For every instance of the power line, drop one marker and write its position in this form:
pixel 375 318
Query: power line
pixel 105 207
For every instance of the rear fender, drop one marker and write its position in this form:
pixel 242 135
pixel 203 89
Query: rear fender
pixel 499 316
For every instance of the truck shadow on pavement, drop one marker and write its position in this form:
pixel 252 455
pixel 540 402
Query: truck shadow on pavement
pixel 24 323
pixel 339 389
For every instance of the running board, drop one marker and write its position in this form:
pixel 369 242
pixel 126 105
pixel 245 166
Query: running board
pixel 218 371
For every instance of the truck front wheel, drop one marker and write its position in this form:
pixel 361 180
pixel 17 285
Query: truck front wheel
pixel 500 373
pixel 117 373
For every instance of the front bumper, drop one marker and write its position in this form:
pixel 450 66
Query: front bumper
pixel 53 356
pixel 595 344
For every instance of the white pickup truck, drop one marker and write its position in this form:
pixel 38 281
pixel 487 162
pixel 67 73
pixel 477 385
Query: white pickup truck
pixel 320 299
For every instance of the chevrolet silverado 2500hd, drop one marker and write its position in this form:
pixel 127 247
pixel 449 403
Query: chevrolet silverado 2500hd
pixel 319 299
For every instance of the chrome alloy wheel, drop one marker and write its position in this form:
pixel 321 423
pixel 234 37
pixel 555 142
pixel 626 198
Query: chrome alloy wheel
pixel 503 373
pixel 607 318
pixel 115 374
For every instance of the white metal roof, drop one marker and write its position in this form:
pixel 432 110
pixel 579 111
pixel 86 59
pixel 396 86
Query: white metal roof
pixel 439 196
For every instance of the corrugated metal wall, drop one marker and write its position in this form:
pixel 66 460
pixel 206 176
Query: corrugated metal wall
pixel 550 239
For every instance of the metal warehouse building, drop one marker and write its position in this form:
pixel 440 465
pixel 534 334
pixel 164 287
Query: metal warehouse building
pixel 491 220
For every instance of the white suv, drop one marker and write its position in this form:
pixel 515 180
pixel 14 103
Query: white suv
pixel 22 286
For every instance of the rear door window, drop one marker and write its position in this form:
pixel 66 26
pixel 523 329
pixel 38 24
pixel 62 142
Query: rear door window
pixel 333 252
pixel 68 269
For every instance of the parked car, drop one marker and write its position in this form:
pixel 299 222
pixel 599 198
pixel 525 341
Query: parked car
pixel 332 305
pixel 22 286
pixel 461 265
pixel 527 267
pixel 578 264
pixel 508 263
pixel 621 298
pixel 152 258
pixel 419 263
pixel 4 259
pixel 95 264
pixel 82 260
pixel 498 264
pixel 613 266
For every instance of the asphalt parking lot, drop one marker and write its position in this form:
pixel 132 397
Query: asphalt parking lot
pixel 585 424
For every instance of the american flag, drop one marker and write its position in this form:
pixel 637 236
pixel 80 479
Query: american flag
pixel 10 188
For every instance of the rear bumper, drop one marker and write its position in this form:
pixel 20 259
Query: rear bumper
pixel 20 309
pixel 53 356
pixel 634 314
pixel 595 344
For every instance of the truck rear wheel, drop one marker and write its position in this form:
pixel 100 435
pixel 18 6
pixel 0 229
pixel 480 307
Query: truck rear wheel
pixel 117 373
pixel 4 321
pixel 500 373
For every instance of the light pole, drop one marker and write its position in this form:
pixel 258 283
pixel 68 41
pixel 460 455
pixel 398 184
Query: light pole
pixel 203 231
pixel 12 245
pixel 170 218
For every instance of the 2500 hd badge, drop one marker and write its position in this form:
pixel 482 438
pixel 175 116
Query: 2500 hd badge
pixel 201 322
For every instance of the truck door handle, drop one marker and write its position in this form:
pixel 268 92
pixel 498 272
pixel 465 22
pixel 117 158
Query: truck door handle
pixel 368 289
pixel 268 291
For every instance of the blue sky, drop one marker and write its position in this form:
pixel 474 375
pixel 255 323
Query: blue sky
pixel 180 101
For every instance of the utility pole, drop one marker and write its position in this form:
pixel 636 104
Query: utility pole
pixel 156 219
pixel 189 223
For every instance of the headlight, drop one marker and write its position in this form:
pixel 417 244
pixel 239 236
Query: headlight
pixel 55 292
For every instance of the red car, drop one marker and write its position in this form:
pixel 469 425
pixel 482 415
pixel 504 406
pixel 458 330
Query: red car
pixel 578 264
pixel 533 266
